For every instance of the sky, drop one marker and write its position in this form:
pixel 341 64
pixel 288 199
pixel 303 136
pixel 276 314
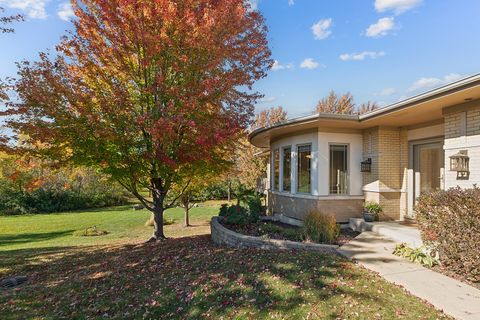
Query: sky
pixel 378 50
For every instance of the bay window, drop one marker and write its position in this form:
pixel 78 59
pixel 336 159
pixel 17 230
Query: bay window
pixel 304 164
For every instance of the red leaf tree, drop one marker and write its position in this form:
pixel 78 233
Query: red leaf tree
pixel 146 91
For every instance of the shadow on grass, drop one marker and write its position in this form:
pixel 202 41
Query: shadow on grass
pixel 191 278
pixel 31 237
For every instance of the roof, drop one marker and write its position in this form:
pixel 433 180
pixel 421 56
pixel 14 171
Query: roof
pixel 421 108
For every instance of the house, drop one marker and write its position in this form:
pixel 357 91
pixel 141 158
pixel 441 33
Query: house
pixel 390 155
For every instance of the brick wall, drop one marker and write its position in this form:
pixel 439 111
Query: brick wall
pixel 462 132
pixel 388 149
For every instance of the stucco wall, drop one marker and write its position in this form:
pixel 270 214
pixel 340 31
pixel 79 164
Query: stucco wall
pixel 297 207
pixel 320 141
pixel 462 132
pixel 354 142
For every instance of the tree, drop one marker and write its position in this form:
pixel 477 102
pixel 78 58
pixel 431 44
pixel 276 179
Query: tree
pixel 269 117
pixel 367 107
pixel 204 175
pixel 145 91
pixel 333 103
pixel 343 104
pixel 6 20
pixel 250 164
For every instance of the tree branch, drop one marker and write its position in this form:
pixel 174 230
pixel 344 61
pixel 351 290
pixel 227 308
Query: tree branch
pixel 177 197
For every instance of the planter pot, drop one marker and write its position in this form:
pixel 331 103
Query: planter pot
pixel 370 217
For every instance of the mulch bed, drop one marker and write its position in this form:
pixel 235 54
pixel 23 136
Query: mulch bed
pixel 289 232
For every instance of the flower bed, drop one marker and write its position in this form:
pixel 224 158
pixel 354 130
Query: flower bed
pixel 226 237
pixel 282 231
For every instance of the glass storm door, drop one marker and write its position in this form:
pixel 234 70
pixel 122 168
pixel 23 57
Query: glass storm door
pixel 428 164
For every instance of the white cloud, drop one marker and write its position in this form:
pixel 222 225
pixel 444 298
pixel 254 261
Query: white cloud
pixel 361 56
pixel 432 82
pixel 291 2
pixel 309 63
pixel 321 29
pixel 381 28
pixel 34 9
pixel 397 6
pixel 65 11
pixel 277 66
pixel 267 99
pixel 387 92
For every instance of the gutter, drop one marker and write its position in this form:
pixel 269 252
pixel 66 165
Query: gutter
pixel 446 89
pixel 313 117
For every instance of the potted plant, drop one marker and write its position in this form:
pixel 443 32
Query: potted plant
pixel 371 211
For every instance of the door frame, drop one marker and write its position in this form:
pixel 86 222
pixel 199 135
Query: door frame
pixel 411 184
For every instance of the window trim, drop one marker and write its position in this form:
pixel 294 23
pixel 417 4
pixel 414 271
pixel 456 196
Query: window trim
pixel 274 179
pixel 282 166
pixel 309 144
pixel 330 144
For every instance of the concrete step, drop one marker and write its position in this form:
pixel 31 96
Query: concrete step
pixel 394 230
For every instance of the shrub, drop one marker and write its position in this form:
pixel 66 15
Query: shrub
pixel 234 214
pixel 248 210
pixel 60 192
pixel 417 255
pixel 449 222
pixel 320 227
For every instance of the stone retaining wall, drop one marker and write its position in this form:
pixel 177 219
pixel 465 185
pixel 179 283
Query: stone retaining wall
pixel 225 237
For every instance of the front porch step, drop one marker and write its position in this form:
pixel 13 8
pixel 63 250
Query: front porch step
pixel 394 230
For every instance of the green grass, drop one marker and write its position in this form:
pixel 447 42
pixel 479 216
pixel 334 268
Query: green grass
pixel 123 224
pixel 118 276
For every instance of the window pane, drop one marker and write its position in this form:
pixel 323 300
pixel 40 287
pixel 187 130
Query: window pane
pixel 287 168
pixel 338 169
pixel 303 172
pixel 276 170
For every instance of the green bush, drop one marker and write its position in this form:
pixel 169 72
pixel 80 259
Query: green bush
pixel 234 214
pixel 214 191
pixel 449 222
pixel 321 228
pixel 417 255
pixel 60 193
pixel 248 210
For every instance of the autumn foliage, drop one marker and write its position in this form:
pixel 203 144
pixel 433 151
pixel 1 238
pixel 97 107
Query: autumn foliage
pixel 343 104
pixel 147 91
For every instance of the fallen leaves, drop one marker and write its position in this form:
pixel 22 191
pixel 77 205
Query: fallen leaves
pixel 192 278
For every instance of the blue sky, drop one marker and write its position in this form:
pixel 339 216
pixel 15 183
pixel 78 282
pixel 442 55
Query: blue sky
pixel 379 50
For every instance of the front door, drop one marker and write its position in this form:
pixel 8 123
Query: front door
pixel 428 167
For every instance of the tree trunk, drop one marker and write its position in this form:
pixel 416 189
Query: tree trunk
pixel 158 223
pixel 187 218
pixel 229 191
pixel 185 199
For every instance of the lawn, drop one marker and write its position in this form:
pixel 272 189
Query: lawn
pixel 123 224
pixel 119 276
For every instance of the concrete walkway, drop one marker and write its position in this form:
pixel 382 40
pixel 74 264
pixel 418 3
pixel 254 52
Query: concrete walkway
pixel 374 251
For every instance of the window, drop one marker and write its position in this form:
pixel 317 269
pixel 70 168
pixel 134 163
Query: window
pixel 276 170
pixel 338 169
pixel 303 169
pixel 287 168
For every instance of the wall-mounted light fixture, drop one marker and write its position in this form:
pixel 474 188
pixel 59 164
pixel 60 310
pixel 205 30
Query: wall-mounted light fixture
pixel 366 166
pixel 459 162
